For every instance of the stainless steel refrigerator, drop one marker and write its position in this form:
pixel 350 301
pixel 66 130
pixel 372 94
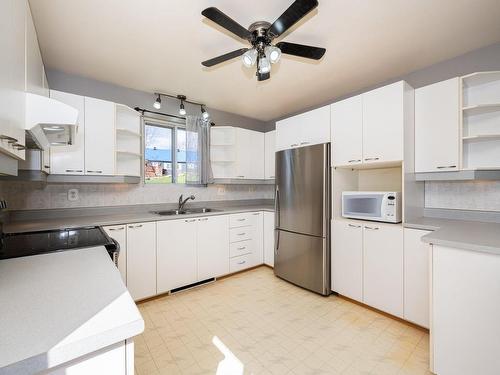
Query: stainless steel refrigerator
pixel 303 211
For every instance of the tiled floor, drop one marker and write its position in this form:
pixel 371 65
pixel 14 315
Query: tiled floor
pixel 273 327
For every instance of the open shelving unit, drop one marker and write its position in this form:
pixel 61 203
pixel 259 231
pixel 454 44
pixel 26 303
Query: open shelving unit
pixel 223 151
pixel 481 121
pixel 128 141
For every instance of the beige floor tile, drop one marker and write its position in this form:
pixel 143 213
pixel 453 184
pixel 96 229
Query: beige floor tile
pixel 274 327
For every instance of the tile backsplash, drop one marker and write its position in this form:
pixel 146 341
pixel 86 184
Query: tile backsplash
pixel 470 195
pixel 35 195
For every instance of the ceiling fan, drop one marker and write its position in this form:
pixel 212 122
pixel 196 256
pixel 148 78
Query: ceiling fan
pixel 261 35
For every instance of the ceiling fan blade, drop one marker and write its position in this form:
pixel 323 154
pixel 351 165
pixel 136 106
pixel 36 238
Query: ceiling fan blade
pixel 292 15
pixel 301 50
pixel 263 76
pixel 225 57
pixel 226 22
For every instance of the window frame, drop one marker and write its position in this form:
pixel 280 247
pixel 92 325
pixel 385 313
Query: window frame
pixel 173 124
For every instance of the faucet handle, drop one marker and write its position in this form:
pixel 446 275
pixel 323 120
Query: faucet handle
pixel 192 197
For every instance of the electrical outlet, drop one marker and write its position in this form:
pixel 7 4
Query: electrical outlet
pixel 221 190
pixel 73 195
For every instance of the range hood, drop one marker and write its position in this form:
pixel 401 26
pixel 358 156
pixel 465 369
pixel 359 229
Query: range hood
pixel 50 122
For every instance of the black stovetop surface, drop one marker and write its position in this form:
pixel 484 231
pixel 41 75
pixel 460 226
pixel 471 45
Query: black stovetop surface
pixel 16 245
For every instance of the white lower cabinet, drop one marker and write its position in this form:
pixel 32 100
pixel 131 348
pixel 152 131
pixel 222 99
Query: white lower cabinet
pixel 246 237
pixel 176 244
pixel 213 246
pixel 383 267
pixel 257 238
pixel 416 277
pixel 141 260
pixel 269 238
pixel 119 234
pixel 347 259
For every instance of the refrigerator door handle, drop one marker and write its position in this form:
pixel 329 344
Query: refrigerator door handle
pixel 277 242
pixel 277 207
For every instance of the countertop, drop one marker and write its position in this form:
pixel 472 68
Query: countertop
pixel 461 234
pixel 59 306
pixel 121 216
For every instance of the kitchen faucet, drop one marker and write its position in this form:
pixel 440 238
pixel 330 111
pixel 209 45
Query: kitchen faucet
pixel 183 202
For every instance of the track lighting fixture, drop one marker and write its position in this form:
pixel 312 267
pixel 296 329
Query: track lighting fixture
pixel 182 110
pixel 157 103
pixel 204 113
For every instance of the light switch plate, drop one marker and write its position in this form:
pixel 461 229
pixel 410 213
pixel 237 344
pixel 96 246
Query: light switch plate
pixel 73 195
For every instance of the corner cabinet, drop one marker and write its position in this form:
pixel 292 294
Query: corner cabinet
pixel 306 129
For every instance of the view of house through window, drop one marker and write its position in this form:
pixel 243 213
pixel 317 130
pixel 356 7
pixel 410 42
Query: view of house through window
pixel 165 153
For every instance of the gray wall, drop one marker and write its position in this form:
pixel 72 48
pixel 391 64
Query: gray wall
pixel 134 98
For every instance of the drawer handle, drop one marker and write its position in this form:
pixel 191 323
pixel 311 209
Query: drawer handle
pixel 114 229
pixel 304 143
pixel 7 138
pixel 294 145
pixel 241 234
pixel 372 228
pixel 256 213
pixel 271 177
pixel 74 170
pixel 354 161
pixel 446 166
pixel 240 176
pixel 204 219
pixel 241 219
pixel 370 159
pixel 135 226
pixel 242 262
pixel 18 146
pixel 242 248
pixel 190 221
pixel 94 171
pixel 354 226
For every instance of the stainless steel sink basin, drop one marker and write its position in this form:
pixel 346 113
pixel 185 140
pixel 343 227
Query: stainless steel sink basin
pixel 185 212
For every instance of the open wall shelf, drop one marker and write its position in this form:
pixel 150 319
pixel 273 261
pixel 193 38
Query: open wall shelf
pixel 128 141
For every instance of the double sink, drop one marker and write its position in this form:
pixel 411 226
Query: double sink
pixel 189 211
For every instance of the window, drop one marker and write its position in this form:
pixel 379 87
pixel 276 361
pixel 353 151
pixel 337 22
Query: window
pixel 164 153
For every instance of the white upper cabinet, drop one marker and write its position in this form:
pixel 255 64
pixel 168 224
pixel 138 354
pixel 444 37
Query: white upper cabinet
pixel 383 123
pixel 35 72
pixel 347 131
pixel 306 129
pixel 250 154
pixel 270 154
pixel 70 159
pixel 437 126
pixel 99 137
pixel 213 246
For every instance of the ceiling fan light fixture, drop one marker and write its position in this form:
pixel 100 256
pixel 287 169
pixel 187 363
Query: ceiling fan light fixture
pixel 264 65
pixel 273 53
pixel 157 103
pixel 249 57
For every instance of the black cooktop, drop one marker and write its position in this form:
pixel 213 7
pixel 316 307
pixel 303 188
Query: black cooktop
pixel 16 245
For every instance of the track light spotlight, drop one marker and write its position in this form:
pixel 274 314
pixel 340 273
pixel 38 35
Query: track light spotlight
pixel 204 113
pixel 157 103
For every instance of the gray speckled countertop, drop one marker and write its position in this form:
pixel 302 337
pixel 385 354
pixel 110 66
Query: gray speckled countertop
pixel 60 306
pixel 74 218
pixel 460 234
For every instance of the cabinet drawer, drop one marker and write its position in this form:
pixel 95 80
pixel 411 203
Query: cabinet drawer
pixel 239 263
pixel 240 234
pixel 240 220
pixel 240 248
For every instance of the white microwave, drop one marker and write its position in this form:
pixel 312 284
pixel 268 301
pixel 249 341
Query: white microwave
pixel 372 205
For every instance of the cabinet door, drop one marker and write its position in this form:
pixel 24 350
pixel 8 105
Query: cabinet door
pixel 176 263
pixel 437 124
pixel 250 154
pixel 347 259
pixel 287 134
pixel 270 153
pixel 416 277
pixel 70 159
pixel 258 239
pixel 315 127
pixel 34 65
pixel 141 260
pixel 119 234
pixel 383 267
pixel 383 122
pixel 213 246
pixel 99 137
pixel 269 238
pixel 347 131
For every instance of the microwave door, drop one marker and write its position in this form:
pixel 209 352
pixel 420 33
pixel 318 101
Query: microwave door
pixel 363 206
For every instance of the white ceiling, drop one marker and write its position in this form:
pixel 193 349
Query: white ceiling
pixel 158 45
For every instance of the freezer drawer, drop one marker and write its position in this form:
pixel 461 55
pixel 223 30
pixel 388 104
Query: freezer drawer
pixel 303 260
